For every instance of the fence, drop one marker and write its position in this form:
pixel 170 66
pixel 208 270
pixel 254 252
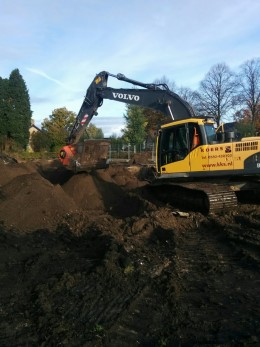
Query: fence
pixel 117 152
pixel 127 151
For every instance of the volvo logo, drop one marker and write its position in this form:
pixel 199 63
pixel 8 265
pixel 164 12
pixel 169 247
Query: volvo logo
pixel 126 96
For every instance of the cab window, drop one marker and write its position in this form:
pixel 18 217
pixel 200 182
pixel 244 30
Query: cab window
pixel 174 145
pixel 210 133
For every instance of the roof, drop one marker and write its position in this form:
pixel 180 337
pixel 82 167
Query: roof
pixel 35 127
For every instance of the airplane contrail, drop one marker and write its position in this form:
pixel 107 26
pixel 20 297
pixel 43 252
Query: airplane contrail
pixel 44 75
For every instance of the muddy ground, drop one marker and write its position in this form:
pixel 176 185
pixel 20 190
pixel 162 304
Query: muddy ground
pixel 97 260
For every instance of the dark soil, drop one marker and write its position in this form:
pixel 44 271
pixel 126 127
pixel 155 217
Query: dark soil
pixel 96 260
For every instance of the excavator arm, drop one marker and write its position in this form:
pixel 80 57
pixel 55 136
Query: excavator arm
pixel 80 156
pixel 154 96
pixel 89 107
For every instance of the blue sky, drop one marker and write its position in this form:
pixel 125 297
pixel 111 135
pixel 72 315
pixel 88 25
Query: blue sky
pixel 60 45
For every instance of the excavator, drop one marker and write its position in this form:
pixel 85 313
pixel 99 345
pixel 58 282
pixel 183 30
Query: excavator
pixel 196 161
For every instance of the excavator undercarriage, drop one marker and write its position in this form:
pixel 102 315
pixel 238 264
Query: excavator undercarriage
pixel 211 196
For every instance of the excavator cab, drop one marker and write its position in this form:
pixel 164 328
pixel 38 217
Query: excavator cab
pixel 175 143
pixel 193 148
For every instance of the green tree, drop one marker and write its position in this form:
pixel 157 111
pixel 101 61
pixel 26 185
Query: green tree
pixel 114 137
pixel 40 141
pixel 58 126
pixel 15 111
pixel 153 120
pixel 93 132
pixel 19 109
pixel 134 132
pixel 244 124
pixel 3 113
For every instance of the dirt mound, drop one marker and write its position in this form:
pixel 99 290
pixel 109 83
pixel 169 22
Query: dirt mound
pixel 6 159
pixel 83 190
pixel 10 169
pixel 126 176
pixel 31 196
pixel 29 202
pixel 142 158
pixel 100 192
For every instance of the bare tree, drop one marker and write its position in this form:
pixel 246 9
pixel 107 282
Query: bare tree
pixel 164 80
pixel 249 83
pixel 191 96
pixel 217 92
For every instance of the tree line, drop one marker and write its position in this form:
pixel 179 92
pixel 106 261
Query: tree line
pixel 56 129
pixel 16 119
pixel 15 112
pixel 221 93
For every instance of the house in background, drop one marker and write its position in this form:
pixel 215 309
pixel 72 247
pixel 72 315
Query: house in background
pixel 32 130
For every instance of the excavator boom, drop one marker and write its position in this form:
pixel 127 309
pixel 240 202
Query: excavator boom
pixel 154 96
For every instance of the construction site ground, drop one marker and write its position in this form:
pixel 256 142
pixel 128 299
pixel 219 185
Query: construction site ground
pixel 96 259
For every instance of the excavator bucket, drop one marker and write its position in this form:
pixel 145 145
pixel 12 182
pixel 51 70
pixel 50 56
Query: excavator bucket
pixel 86 156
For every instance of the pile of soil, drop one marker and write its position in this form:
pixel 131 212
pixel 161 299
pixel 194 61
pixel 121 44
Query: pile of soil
pixel 28 201
pixel 95 259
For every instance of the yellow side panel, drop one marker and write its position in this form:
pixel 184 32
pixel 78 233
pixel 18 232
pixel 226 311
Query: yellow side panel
pixel 224 156
pixel 217 157
pixel 243 150
pixel 177 166
pixel 198 159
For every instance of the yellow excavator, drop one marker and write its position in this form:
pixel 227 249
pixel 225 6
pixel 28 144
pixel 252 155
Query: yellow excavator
pixel 195 160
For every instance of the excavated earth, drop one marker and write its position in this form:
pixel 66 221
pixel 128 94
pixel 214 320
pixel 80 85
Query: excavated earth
pixel 96 259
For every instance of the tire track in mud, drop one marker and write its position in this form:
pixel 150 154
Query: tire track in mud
pixel 214 288
pixel 208 292
pixel 244 235
pixel 137 324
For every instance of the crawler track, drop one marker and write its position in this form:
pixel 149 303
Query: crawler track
pixel 206 198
